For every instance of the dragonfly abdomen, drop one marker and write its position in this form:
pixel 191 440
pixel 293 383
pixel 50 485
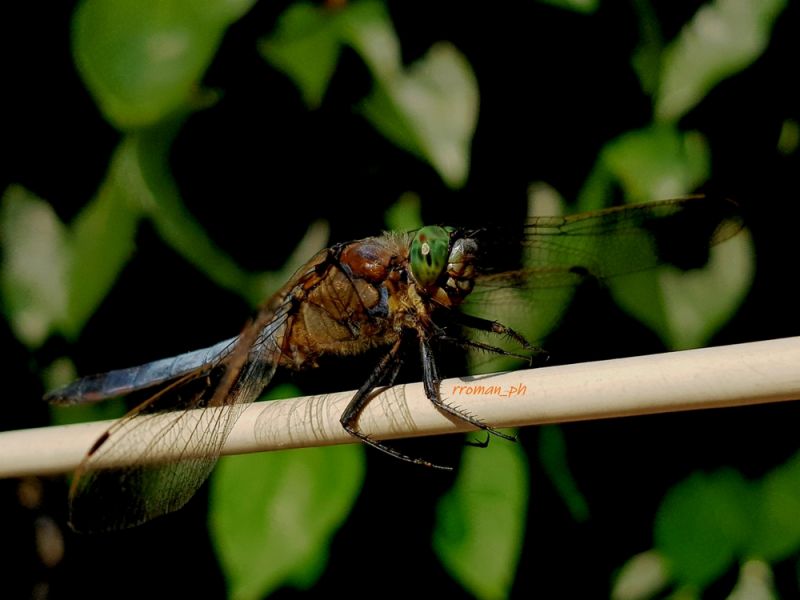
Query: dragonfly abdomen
pixel 121 382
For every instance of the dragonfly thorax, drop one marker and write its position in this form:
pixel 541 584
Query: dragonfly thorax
pixel 442 264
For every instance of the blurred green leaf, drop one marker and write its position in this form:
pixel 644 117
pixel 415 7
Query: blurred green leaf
pixel 139 182
pixel 581 6
pixel 646 58
pixel 708 521
pixel 641 577
pixel 405 214
pixel 686 308
pixel 273 515
pixel 657 162
pixel 776 530
pixel 789 140
pixel 724 37
pixel 56 276
pixel 102 237
pixel 553 456
pixel 306 46
pixel 143 59
pixel 34 274
pixel 367 28
pixel 653 163
pixel 755 582
pixel 431 110
pixel 480 522
pixel 702 524
pixel 158 195
pixel 597 189
pixel 699 302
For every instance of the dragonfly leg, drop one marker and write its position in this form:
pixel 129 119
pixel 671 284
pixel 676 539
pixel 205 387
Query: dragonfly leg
pixel 492 327
pixel 388 365
pixel 431 380
pixel 481 346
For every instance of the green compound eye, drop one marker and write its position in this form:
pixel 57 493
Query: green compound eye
pixel 429 254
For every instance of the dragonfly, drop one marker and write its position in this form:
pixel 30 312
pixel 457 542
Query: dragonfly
pixel 380 293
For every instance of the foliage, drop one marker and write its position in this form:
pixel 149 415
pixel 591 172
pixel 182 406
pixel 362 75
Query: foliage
pixel 147 66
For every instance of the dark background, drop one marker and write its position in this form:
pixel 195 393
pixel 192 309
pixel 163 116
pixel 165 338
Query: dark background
pixel 555 86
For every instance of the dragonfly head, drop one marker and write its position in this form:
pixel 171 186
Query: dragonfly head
pixel 442 264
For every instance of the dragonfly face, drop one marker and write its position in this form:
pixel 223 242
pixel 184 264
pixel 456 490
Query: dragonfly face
pixel 443 264
pixel 383 291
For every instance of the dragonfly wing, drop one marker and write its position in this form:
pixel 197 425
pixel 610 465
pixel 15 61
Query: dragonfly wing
pixel 633 238
pixel 563 251
pixel 125 481
pixel 528 277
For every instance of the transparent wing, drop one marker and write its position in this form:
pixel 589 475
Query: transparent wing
pixel 563 251
pixel 125 481
pixel 528 276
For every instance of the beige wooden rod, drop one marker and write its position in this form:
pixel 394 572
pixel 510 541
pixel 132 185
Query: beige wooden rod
pixel 727 376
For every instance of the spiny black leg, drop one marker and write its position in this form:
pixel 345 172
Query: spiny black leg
pixel 481 346
pixel 430 380
pixel 388 365
pixel 361 399
pixel 490 326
